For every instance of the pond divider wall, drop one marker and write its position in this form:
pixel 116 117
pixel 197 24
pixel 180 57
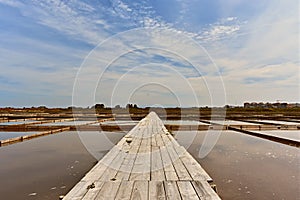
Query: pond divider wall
pixel 28 137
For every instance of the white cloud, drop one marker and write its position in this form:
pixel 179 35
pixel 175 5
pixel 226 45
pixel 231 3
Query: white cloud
pixel 261 61
pixel 73 18
pixel 258 58
pixel 138 49
pixel 124 6
pixel 231 18
pixel 12 3
pixel 220 30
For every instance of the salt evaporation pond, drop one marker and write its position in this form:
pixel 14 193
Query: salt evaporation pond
pixel 247 167
pixel 278 122
pixel 67 123
pixel 232 122
pixel 119 122
pixel 18 122
pixel 289 134
pixel 183 122
pixel 48 166
pixel 166 122
pixel 242 166
pixel 9 135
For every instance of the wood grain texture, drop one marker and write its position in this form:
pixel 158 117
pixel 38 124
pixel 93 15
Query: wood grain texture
pixel 147 163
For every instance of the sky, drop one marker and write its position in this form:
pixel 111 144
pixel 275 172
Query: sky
pixel 168 53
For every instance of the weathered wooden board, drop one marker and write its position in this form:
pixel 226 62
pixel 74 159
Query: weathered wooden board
pixel 147 163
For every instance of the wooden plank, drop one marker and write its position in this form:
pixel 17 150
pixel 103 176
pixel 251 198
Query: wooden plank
pixel 157 172
pixel 156 190
pixel 153 140
pixel 140 190
pixel 172 140
pixel 169 169
pixel 141 167
pixel 113 168
pixel 205 191
pixel 180 169
pixel 196 171
pixel 128 162
pixel 186 190
pixel 126 168
pixel 125 190
pixel 172 192
pixel 78 191
pixel 193 167
pixel 101 166
pixel 93 191
pixel 136 164
pixel 159 140
pixel 147 163
pixel 108 190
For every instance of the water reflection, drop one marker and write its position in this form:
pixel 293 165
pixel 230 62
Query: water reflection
pixel 247 167
pixel 67 123
pixel 183 122
pixel 98 143
pixel 289 134
pixel 18 122
pixel 46 167
pixel 278 122
pixel 119 123
pixel 8 135
pixel 232 122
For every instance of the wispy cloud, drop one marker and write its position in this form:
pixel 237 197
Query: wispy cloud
pixel 253 44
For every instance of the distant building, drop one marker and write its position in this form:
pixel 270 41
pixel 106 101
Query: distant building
pixel 270 105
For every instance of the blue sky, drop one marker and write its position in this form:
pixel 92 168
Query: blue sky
pixel 152 52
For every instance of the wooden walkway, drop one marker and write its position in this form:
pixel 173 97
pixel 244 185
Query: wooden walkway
pixel 147 163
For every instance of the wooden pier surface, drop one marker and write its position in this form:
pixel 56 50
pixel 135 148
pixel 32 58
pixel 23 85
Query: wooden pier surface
pixel 146 164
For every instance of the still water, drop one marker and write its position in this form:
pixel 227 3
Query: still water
pixel 232 122
pixel 247 167
pixel 46 167
pixel 242 166
pixel 183 122
pixel 18 122
pixel 9 135
pixel 123 122
pixel 289 134
pixel 66 123
pixel 278 122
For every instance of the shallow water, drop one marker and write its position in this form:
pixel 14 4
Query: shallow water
pixel 183 122
pixel 279 122
pixel 166 122
pixel 45 167
pixel 67 123
pixel 289 134
pixel 98 143
pixel 8 135
pixel 119 122
pixel 242 166
pixel 247 167
pixel 18 122
pixel 233 122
